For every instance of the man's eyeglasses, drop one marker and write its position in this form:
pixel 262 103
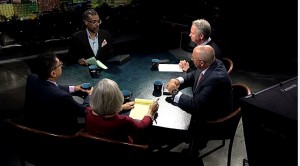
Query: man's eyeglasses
pixel 192 59
pixel 59 65
pixel 94 21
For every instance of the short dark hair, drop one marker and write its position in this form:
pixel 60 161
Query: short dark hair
pixel 88 12
pixel 45 63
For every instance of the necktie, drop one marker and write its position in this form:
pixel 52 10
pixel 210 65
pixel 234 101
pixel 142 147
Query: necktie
pixel 200 76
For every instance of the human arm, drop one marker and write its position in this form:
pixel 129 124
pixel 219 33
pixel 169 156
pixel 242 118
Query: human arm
pixel 153 108
pixel 79 47
pixel 78 88
pixel 128 105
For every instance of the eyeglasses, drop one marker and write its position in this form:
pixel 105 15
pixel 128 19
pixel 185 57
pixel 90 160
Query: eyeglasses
pixel 94 21
pixel 192 59
pixel 59 65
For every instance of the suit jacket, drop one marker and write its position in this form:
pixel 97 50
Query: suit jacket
pixel 80 46
pixel 50 107
pixel 218 55
pixel 212 98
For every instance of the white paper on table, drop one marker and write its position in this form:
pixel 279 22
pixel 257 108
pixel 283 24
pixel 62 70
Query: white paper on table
pixel 93 61
pixel 169 68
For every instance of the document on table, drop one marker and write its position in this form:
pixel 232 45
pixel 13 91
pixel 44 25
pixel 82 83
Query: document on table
pixel 93 61
pixel 169 68
pixel 140 109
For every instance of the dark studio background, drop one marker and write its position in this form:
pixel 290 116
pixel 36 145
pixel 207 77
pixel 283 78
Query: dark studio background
pixel 254 34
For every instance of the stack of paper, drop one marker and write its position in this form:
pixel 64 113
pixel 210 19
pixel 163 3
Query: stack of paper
pixel 140 109
pixel 93 61
pixel 169 68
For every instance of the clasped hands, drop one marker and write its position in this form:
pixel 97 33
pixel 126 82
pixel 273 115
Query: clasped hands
pixel 184 65
pixel 173 84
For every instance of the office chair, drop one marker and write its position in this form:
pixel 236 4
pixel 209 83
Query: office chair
pixel 94 149
pixel 39 147
pixel 224 128
pixel 228 64
pixel 105 148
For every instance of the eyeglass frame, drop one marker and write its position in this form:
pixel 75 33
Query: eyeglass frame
pixel 193 59
pixel 59 65
pixel 94 21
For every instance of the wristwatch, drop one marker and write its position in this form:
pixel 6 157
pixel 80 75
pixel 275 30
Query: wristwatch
pixel 174 93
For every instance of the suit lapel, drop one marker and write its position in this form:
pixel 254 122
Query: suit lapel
pixel 207 73
pixel 100 40
pixel 87 45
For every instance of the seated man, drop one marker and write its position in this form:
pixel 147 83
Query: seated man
pixel 91 41
pixel 212 92
pixel 49 106
pixel 200 35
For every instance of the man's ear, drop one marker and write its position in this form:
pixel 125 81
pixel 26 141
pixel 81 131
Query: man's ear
pixel 53 73
pixel 201 36
pixel 85 23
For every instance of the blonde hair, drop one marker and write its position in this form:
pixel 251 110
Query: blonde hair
pixel 107 98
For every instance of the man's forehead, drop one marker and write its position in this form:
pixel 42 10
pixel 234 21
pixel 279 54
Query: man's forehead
pixel 94 17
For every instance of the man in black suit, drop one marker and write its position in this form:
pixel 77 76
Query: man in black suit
pixel 211 86
pixel 49 106
pixel 200 35
pixel 91 41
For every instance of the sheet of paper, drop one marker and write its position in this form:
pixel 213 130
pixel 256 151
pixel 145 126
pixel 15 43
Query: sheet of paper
pixel 169 68
pixel 93 61
pixel 140 109
pixel 100 64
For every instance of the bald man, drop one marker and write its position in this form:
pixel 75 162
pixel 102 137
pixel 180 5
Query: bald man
pixel 211 86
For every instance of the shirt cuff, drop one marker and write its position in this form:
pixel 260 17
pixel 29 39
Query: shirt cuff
pixel 71 89
pixel 176 98
pixel 180 79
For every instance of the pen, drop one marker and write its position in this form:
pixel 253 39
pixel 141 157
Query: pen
pixel 156 113
pixel 157 99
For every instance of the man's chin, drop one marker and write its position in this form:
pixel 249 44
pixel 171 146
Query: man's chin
pixel 96 31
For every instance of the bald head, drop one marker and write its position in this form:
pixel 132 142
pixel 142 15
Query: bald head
pixel 205 53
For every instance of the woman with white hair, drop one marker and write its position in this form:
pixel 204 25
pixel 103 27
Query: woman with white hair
pixel 103 118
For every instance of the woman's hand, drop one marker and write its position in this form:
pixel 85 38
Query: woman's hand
pixel 128 105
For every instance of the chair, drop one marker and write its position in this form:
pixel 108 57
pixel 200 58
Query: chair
pixel 228 64
pixel 225 127
pixel 39 147
pixel 106 148
pixel 125 153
